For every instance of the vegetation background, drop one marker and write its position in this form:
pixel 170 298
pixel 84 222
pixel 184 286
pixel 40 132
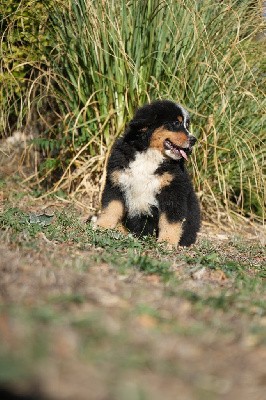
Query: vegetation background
pixel 73 72
pixel 88 314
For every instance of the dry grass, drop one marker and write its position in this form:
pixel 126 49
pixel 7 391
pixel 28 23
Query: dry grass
pixel 99 62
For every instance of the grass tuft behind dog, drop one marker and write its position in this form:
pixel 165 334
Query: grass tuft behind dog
pixel 99 61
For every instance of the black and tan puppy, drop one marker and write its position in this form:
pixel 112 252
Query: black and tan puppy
pixel 148 189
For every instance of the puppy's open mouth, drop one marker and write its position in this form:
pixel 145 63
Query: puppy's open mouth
pixel 177 151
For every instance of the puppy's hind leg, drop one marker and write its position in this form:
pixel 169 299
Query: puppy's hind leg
pixel 192 223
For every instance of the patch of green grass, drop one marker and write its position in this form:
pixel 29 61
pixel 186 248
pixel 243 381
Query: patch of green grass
pixel 37 192
pixel 211 259
pixel 144 309
pixel 18 221
pixel 66 227
pixel 12 367
pixel 135 259
pixel 68 298
pixel 112 239
pixel 238 264
pixel 125 252
pixel 148 265
pixel 2 183
pixel 44 314
pixel 91 328
pixel 30 332
pixel 259 332
pixel 234 299
pixel 244 269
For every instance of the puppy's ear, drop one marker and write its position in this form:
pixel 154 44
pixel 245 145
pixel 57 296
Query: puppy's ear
pixel 140 125
pixel 137 135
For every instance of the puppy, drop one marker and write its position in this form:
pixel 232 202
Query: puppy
pixel 148 190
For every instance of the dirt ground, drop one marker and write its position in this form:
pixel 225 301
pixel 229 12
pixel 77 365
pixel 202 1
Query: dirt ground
pixel 94 316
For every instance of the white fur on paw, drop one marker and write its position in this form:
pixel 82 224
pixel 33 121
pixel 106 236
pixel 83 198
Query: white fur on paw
pixel 93 221
pixel 170 246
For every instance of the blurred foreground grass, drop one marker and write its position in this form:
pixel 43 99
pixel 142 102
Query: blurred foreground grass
pixel 92 314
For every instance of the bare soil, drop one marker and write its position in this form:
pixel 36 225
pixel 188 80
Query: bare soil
pixel 75 325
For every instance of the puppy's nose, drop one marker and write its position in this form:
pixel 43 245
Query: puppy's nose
pixel 192 140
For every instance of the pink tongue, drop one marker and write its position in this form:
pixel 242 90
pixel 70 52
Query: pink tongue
pixel 183 154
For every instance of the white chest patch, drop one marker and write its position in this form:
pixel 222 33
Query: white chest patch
pixel 139 184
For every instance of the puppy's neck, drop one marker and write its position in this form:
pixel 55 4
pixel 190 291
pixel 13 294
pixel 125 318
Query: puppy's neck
pixel 153 156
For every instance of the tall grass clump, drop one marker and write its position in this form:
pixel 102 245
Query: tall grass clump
pixel 105 58
pixel 23 39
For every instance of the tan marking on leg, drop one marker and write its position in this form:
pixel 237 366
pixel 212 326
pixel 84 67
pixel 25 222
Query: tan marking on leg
pixel 111 215
pixel 169 231
pixel 160 134
pixel 165 179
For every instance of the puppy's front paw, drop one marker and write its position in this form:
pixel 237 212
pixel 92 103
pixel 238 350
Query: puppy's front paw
pixel 168 245
pixel 93 221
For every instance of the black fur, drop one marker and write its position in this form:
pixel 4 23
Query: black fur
pixel 177 200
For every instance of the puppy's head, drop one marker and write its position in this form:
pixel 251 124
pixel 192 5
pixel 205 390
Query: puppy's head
pixel 166 126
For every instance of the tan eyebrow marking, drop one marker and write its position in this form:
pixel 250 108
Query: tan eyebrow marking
pixel 180 119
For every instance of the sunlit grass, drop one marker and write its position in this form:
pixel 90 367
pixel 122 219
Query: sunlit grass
pixel 114 57
pixel 104 59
